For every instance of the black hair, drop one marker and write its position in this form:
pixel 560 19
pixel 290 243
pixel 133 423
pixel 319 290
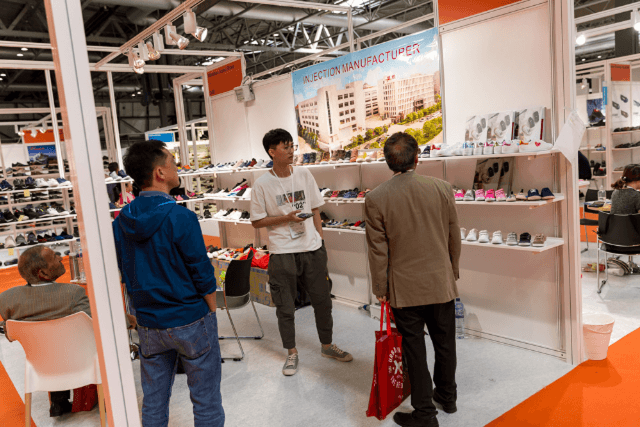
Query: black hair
pixel 142 158
pixel 400 152
pixel 275 137
pixel 631 174
pixel 113 167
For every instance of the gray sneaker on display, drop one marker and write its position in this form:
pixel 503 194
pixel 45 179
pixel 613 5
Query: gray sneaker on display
pixel 290 365
pixel 334 352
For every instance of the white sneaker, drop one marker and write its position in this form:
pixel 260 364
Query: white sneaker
pixel 52 183
pixel 488 148
pixel 41 183
pixel 108 179
pixel 463 233
pixel 468 148
pixel 247 194
pixel 9 242
pixel 259 164
pixel 469 196
pixel 511 198
pixel 115 176
pixel 435 151
pixel 52 212
pixel 472 236
pixel 449 150
pixel 479 149
pixel 220 213
pixel 528 147
pixel 512 239
pixel 484 237
pixel 510 147
pixel 496 239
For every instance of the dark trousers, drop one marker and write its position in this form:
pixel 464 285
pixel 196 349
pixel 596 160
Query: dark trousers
pixel 441 324
pixel 60 396
pixel 310 270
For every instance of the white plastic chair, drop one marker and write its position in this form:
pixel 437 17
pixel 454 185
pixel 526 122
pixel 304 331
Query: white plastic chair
pixel 61 355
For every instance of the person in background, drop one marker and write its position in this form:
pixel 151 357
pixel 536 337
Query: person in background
pixel 111 188
pixel 584 169
pixel 171 283
pixel 43 299
pixel 625 199
pixel 297 251
pixel 127 198
pixel 414 245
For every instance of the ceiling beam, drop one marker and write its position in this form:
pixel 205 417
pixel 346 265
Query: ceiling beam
pixel 18 18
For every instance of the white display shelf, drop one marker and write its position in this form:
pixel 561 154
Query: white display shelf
pixel 491 156
pixel 119 181
pixel 231 221
pixel 583 183
pixel 60 187
pixel 32 221
pixel 592 150
pixel 359 201
pixel 552 242
pixel 618 172
pixel 44 176
pixel 36 202
pixel 531 204
pixel 343 230
pixel 624 149
pixel 25 247
pixel 28 229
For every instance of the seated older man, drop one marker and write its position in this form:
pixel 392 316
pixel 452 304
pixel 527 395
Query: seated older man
pixel 44 299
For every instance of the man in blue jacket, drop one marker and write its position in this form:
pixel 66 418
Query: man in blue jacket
pixel 170 279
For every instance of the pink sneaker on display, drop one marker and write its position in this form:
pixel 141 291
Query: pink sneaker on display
pixel 480 195
pixel 459 196
pixel 490 196
pixel 500 195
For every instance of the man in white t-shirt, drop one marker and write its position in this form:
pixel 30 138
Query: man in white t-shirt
pixel 280 199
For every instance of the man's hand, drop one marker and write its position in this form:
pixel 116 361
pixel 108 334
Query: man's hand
pixel 291 217
pixel 382 299
pixel 133 323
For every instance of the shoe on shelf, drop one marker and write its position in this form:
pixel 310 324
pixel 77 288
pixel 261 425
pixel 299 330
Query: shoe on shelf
pixel 479 149
pixel 459 195
pixel 53 183
pixel 406 419
pixel 483 237
pixel 480 196
pixel 521 195
pixel 60 408
pixel 529 147
pixel 500 196
pixel 41 183
pixel 21 241
pixel 435 151
pixel 290 365
pixel 511 147
pixel 525 239
pixel 463 233
pixel 512 239
pixel 468 148
pixel 333 352
pixel 533 195
pixel 488 148
pixel 539 240
pixel 472 236
pixel 426 152
pixel 512 197
pixel 9 242
pixel 496 238
pixel 362 156
pixel 469 196
pixel 546 194
pixel 490 196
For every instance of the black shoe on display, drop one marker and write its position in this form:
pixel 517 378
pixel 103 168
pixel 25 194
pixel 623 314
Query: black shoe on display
pixel 406 419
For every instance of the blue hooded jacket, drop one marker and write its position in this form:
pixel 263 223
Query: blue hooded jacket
pixel 163 261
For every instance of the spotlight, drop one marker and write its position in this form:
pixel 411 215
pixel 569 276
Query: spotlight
pixel 584 84
pixel 3 75
pixel 153 53
pixel 636 25
pixel 584 59
pixel 136 62
pixel 599 56
pixel 42 130
pixel 139 70
pixel 24 49
pixel 173 38
pixel 581 40
pixel 34 133
pixel 20 54
pixel 191 27
pixel 20 132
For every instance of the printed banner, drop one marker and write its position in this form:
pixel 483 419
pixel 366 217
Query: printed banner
pixel 620 105
pixel 359 99
pixel 40 137
pixel 34 151
pixel 620 72
pixel 164 137
pixel 225 76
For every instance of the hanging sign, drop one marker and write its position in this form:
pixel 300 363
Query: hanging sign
pixel 620 72
pixel 164 137
pixel 225 76
pixel 357 100
pixel 453 10
pixel 40 137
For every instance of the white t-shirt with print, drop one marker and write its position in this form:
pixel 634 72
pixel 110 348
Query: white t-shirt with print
pixel 268 199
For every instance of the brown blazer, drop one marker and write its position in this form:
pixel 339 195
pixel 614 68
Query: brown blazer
pixel 414 240
pixel 37 303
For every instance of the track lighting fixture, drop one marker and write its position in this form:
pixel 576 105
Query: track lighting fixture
pixel 136 63
pixel 584 84
pixel 42 130
pixel 581 40
pixel 34 132
pixel 153 53
pixel 143 52
pixel 173 38
pixel 191 27
pixel 20 132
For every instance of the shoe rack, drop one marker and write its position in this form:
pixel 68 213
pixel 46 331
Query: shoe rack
pixel 592 137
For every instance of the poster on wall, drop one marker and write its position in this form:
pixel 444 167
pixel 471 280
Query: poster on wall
pixel 36 152
pixel 635 104
pixel 225 75
pixel 596 112
pixel 358 100
pixel 620 105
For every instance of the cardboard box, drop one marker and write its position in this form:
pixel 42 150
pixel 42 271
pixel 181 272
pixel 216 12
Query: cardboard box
pixel 501 126
pixel 476 128
pixel 258 277
pixel 531 124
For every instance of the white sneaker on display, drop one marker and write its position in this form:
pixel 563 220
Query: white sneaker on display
pixel 533 146
pixel 496 239
pixel 484 237
pixel 472 236
pixel 435 151
pixel 247 194
pixel 115 176
pixel 52 183
pixel 512 239
pixel 479 149
pixel 449 150
pixel 463 233
pixel 469 196
pixel 52 212
pixel 468 149
pixel 41 183
pixel 511 147
pixel 488 148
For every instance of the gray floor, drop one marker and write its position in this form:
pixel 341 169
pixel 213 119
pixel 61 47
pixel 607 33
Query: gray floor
pixel 492 378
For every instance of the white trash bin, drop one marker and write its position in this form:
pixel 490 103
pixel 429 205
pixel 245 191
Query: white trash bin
pixel 597 330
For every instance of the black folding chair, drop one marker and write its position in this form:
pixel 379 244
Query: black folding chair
pixel 590 196
pixel 236 294
pixel 619 235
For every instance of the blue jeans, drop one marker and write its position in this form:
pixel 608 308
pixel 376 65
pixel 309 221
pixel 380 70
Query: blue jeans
pixel 197 346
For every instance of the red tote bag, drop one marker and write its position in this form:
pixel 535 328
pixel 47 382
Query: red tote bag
pixel 390 385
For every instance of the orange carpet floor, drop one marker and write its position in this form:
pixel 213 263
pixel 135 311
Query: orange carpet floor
pixel 595 394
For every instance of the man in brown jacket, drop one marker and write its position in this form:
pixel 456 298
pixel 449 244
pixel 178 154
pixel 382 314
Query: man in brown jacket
pixel 414 251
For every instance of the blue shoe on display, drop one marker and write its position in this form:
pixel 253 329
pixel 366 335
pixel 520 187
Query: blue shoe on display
pixel 4 185
pixel 61 181
pixel 534 195
pixel 546 194
pixel 269 165
pixel 122 174
pixel 30 183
